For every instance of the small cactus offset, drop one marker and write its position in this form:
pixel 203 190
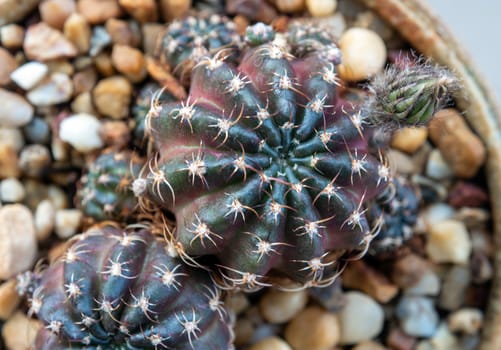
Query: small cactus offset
pixel 185 42
pixel 263 169
pixel 105 191
pixel 395 211
pixel 119 289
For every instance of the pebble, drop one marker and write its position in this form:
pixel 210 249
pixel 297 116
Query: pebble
pixel 130 62
pixel 123 32
pixel 77 30
pixel 409 139
pixel 9 299
pixel 401 162
pixel 34 160
pixel 466 320
pixel 467 194
pixel 12 36
pixel 461 148
pixel 437 167
pixel 37 131
pixel 313 329
pixel 448 241
pixel 15 111
pixel 142 10
pixel 271 343
pixel 12 137
pixel 279 306
pixel 15 10
pixel 428 285
pixel 18 241
pixel 173 9
pixel 57 196
pixel 443 339
pixel 436 213
pixel 12 190
pixel 289 6
pixel 112 97
pixel 82 132
pixel 363 54
pixel 417 316
pixel 321 8
pixel 43 43
pixel 67 222
pixel 83 104
pixel 454 287
pixel 244 329
pixel 481 268
pixel 359 275
pixel 408 270
pixel 19 332
pixel 360 319
pixel 85 80
pixel 8 64
pixel 368 345
pixel 150 32
pixel 98 11
pixel 61 65
pixel 53 90
pixel 8 161
pixel 29 74
pixel 45 216
pixel 99 40
pixel 104 65
pixel 397 339
pixel 237 302
pixel 55 12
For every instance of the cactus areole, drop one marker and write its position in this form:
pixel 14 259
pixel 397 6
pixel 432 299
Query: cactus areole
pixel 120 290
pixel 266 167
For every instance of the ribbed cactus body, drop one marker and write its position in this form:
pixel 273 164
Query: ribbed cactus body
pixel 105 191
pixel 262 170
pixel 119 289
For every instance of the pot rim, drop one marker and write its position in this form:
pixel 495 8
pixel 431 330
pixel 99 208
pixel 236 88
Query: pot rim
pixel 422 28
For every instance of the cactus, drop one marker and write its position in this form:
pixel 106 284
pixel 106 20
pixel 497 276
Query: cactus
pixel 105 191
pixel 119 289
pixel 395 211
pixel 264 170
pixel 186 42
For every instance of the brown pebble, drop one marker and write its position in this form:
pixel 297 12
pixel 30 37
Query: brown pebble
pixel 244 329
pixel 130 62
pixel 467 194
pixel 83 104
pixel 409 139
pixel 121 32
pixel 45 43
pixel 150 32
pixel 77 30
pixel 98 11
pixel 256 10
pixel 142 10
pixel 369 345
pixel 313 329
pixel 163 76
pixel 289 6
pixel 19 332
pixel 12 36
pixel 408 270
pixel 461 148
pixel 281 306
pixel 173 9
pixel 8 64
pixel 241 24
pixel 8 161
pixel 55 12
pixel 104 65
pixel 15 10
pixel 112 97
pixel 85 80
pixel 271 343
pixel 9 299
pixel 397 339
pixel 115 133
pixel 359 275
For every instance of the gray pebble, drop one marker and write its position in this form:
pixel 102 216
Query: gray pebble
pixel 417 316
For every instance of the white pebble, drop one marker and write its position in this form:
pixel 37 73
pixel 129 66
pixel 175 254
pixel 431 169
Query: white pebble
pixel 18 245
pixel 279 306
pixel 363 54
pixel 19 332
pixel 15 111
pixel 13 137
pixel 29 74
pixel 67 222
pixel 436 213
pixel 12 190
pixel 271 343
pixel 429 284
pixel 443 339
pixel 53 90
pixel 361 318
pixel 321 8
pixel 437 167
pixel 82 132
pixel 467 320
pixel 45 216
pixel 449 242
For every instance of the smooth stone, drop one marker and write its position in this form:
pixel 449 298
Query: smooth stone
pixel 67 222
pixel 15 111
pixel 34 160
pixel 417 316
pixel 37 131
pixel 409 139
pixel 443 339
pixel 454 287
pixel 449 242
pixel 363 52
pixel 8 161
pixel 9 299
pixel 82 132
pixel 428 285
pixel 55 12
pixel 313 329
pixel 112 97
pixel 12 36
pixel 12 191
pixel 289 6
pixel 45 219
pixel 18 246
pixel 78 31
pixel 408 270
pixel 321 8
pixel 466 320
pixel 98 11
pixel 368 345
pixel 19 332
pixel 8 64
pixel 143 11
pixel 280 306
pixel 403 162
pixel 437 167
pixel 43 43
pixel 237 302
pixel 12 137
pixel 53 90
pixel 15 10
pixel 360 319
pixel 130 62
pixel 271 343
pixel 437 213
pixel 29 74
pixel 243 329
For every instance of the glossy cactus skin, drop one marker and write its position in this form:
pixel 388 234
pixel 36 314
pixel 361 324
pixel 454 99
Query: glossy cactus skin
pixel 105 191
pixel 262 170
pixel 185 42
pixel 395 211
pixel 119 289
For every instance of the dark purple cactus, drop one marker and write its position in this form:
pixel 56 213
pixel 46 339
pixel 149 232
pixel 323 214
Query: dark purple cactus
pixel 119 289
